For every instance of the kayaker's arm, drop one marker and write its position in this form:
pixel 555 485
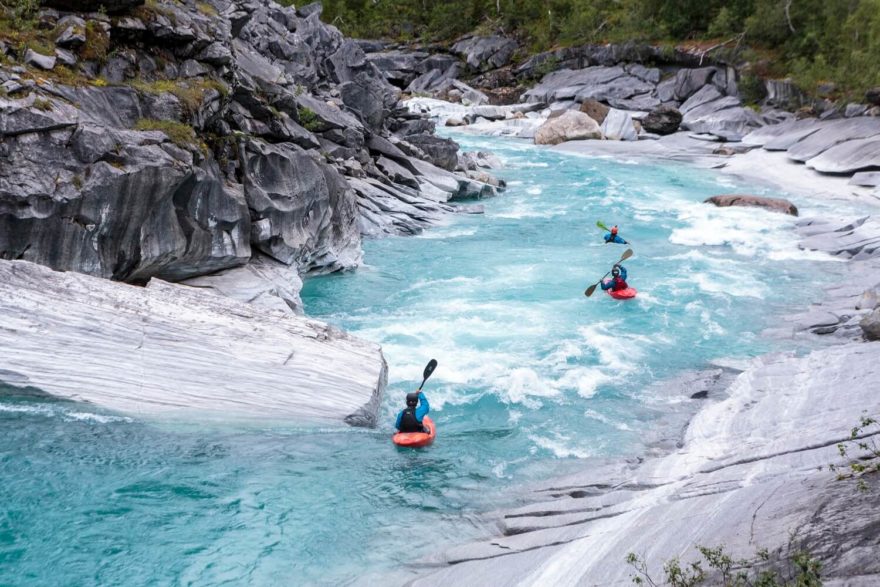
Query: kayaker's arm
pixel 424 407
pixel 622 272
pixel 399 416
pixel 607 284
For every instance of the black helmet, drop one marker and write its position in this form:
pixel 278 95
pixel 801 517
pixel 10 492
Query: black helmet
pixel 412 399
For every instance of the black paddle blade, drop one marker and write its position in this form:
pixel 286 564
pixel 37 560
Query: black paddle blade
pixel 590 290
pixel 429 368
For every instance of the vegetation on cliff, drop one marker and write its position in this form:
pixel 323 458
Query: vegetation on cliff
pixel 814 41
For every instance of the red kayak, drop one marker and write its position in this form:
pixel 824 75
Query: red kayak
pixel 417 439
pixel 623 294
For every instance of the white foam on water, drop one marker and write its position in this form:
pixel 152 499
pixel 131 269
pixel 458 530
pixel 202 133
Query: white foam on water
pixel 440 233
pixel 600 417
pixel 560 446
pixel 523 385
pixel 534 191
pixel 96 418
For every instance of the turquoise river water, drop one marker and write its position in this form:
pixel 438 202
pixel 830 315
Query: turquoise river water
pixel 533 380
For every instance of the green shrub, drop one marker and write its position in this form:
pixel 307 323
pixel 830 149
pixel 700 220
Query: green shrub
pixel 180 134
pixel 97 43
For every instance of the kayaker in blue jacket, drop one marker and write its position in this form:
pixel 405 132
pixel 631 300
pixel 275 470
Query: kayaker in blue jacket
pixel 618 279
pixel 612 237
pixel 410 418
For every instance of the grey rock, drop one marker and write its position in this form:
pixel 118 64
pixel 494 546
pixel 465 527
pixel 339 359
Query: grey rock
pixel 665 91
pixel 228 359
pixel 773 204
pixel 783 94
pixel 366 97
pixel 566 83
pixel 848 157
pixel 486 52
pixel 866 178
pixel 263 282
pixel 73 32
pixel 689 81
pixel 396 172
pixel 638 70
pixel 216 54
pixel 192 68
pixel 664 120
pixel 618 125
pixel 779 137
pixel 621 88
pixel 870 299
pixel 65 57
pixel 831 133
pixel 35 59
pixel 441 152
pixel 853 110
pixel 302 213
pixel 643 102
pixel 858 239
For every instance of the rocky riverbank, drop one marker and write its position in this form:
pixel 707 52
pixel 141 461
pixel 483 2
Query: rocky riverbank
pixel 233 146
pixel 751 471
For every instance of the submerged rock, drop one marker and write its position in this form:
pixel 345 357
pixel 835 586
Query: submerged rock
pixel 773 204
pixel 173 350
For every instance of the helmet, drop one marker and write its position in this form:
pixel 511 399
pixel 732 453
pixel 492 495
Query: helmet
pixel 412 399
pixel 615 271
pixel 614 229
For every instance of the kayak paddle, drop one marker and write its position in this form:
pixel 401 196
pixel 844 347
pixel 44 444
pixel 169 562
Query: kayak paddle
pixel 429 368
pixel 626 255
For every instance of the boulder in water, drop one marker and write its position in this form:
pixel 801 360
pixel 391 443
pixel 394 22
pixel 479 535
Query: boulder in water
pixel 773 204
pixel 572 125
pixel 595 110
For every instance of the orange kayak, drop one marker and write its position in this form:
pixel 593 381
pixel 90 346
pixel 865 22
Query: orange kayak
pixel 417 439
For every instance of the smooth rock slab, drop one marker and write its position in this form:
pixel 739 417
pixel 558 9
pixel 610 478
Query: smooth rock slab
pixel 848 157
pixel 773 204
pixel 173 350
pixel 751 470
pixel 832 133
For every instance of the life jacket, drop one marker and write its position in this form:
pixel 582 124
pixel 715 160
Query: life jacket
pixel 619 284
pixel 409 423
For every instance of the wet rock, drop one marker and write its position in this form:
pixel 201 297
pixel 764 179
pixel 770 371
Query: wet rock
pixel 453 121
pixel 773 204
pixel 572 125
pixel 664 120
pixel 779 137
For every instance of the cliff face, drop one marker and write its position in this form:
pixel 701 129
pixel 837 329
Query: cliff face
pixel 181 139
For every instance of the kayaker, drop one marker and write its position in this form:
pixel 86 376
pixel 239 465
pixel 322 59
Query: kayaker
pixel 612 237
pixel 410 418
pixel 618 279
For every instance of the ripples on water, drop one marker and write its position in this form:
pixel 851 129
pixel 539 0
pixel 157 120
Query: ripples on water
pixel 533 378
